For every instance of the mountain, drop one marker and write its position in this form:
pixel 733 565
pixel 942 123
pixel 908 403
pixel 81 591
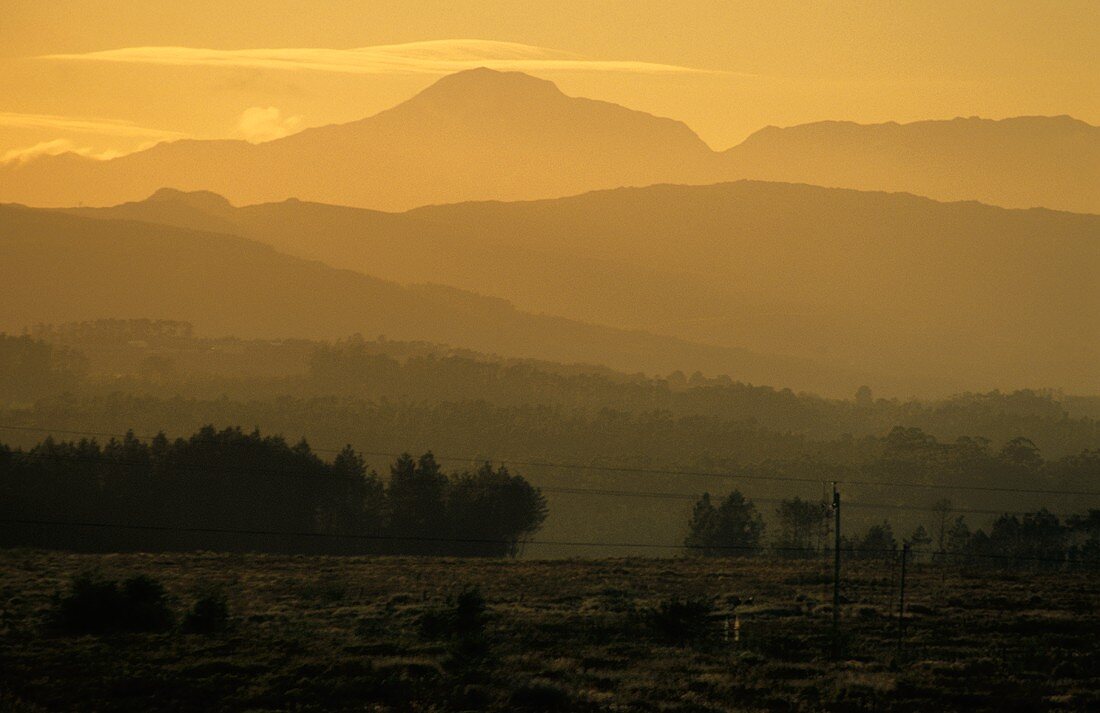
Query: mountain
pixel 475 134
pixel 488 135
pixel 1021 162
pixel 57 268
pixel 932 297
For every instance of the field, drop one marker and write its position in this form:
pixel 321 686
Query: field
pixel 318 633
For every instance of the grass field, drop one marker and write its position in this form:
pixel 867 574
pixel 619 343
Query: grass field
pixel 319 633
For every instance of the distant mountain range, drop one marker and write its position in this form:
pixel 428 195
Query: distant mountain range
pixel 1025 162
pixel 57 268
pixel 488 135
pixel 939 296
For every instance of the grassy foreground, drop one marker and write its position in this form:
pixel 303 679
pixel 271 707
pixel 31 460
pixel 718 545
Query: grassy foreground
pixel 325 633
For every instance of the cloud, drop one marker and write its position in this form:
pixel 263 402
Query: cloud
pixel 433 57
pixel 259 123
pixel 54 148
pixel 112 127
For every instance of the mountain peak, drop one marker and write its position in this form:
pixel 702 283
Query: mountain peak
pixel 482 83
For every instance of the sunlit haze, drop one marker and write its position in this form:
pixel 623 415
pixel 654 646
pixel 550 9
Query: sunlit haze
pixel 724 68
pixel 547 355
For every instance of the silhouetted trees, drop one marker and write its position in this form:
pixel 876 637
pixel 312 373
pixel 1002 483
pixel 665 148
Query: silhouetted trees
pixel 803 525
pixel 494 509
pixel 733 529
pixel 877 542
pixel 242 491
pixel 417 502
pixel 1038 540
pixel 1032 540
pixel 164 358
pixel 1035 539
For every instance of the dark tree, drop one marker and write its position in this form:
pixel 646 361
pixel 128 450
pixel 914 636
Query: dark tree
pixel 876 543
pixel 494 510
pixel 417 505
pixel 733 529
pixel 803 525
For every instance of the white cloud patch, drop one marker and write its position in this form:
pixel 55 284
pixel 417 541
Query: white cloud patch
pixel 258 124
pixel 111 127
pixel 55 147
pixel 433 57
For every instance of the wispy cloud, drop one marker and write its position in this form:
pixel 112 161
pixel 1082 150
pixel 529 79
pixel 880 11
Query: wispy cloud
pixel 54 148
pixel 259 123
pixel 433 57
pixel 110 127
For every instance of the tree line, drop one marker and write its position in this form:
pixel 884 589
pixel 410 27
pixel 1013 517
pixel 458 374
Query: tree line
pixel 608 437
pixel 232 490
pixel 734 527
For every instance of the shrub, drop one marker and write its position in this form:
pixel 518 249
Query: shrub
pixel 464 617
pixel 209 615
pixel 145 605
pixel 680 622
pixel 95 606
pixel 92 607
pixel 540 696
pixel 469 612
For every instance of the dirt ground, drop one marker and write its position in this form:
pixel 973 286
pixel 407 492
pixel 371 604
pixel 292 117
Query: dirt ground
pixel 329 633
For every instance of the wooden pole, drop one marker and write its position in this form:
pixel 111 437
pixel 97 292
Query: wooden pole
pixel 901 601
pixel 836 572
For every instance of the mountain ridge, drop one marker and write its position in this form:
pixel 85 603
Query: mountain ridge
pixel 483 134
pixel 879 281
pixel 61 267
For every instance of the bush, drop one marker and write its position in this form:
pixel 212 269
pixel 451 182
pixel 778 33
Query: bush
pixel 96 606
pixel 540 695
pixel 469 612
pixel 681 622
pixel 92 607
pixel 209 615
pixel 145 605
pixel 463 617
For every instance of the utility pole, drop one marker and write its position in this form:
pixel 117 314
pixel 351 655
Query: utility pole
pixel 901 601
pixel 836 572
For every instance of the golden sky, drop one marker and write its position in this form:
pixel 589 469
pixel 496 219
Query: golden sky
pixel 102 77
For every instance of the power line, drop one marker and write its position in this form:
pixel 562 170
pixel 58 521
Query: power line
pixel 594 492
pixel 648 471
pixel 329 478
pixel 473 459
pixel 980 488
pixel 385 538
pixel 306 534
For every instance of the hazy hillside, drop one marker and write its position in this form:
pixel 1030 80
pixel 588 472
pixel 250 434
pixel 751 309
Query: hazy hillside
pixel 944 297
pixel 1020 162
pixel 407 249
pixel 992 296
pixel 58 268
pixel 104 360
pixel 488 135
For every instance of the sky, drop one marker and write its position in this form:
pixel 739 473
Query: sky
pixel 108 77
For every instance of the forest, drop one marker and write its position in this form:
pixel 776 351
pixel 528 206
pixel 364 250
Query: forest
pixel 164 359
pixel 649 445
pixel 237 491
pixel 735 528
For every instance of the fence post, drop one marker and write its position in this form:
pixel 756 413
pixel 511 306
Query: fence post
pixel 836 572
